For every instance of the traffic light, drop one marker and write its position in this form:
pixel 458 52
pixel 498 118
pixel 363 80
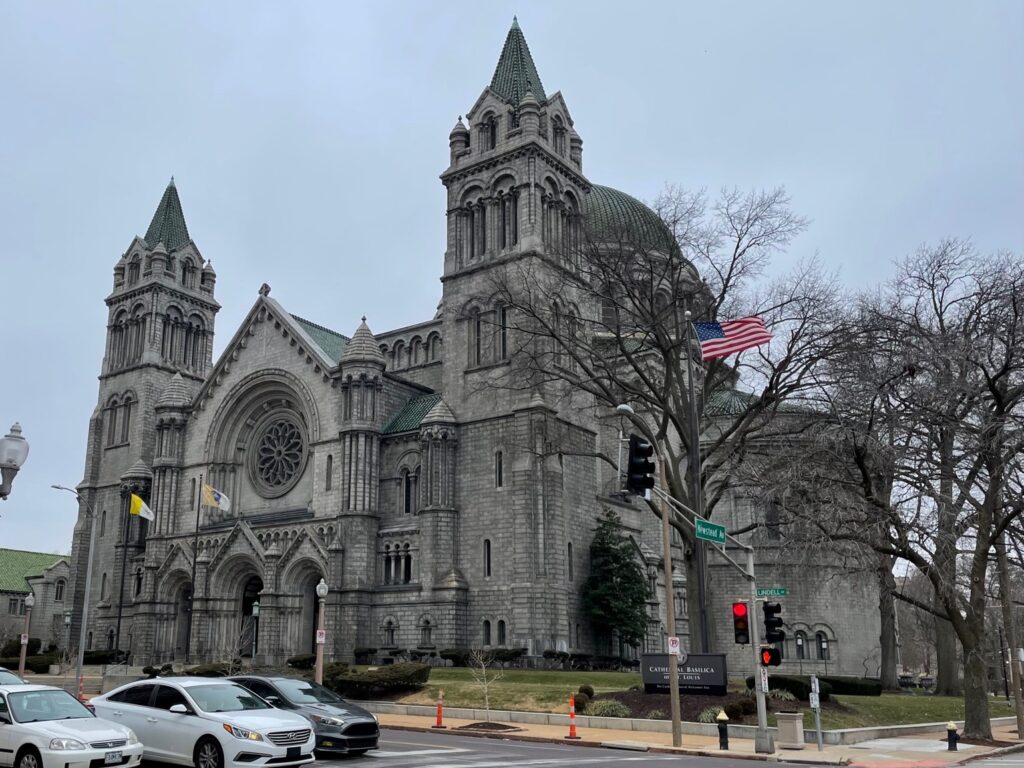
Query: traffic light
pixel 741 623
pixel 773 623
pixel 639 466
pixel 771 657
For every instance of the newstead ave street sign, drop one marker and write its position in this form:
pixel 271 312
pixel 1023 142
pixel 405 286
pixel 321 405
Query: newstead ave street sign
pixel 709 531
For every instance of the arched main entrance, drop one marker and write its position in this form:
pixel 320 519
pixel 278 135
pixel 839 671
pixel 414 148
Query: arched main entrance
pixel 248 635
pixel 182 609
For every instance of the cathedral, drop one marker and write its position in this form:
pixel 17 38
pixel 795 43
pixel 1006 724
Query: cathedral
pixel 376 460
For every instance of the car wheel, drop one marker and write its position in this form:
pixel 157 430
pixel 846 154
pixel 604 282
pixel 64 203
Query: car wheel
pixel 28 758
pixel 208 754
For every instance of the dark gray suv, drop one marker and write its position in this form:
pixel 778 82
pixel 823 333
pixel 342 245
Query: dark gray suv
pixel 340 726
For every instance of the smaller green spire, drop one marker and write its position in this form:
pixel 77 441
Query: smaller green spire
pixel 516 73
pixel 168 224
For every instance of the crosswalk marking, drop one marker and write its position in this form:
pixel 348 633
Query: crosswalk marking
pixel 551 762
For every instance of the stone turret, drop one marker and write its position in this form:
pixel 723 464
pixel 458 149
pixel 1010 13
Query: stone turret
pixel 458 140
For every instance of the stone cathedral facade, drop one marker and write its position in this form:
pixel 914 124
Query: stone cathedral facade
pixel 377 461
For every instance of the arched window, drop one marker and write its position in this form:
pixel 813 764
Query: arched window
pixel 58 591
pixel 572 568
pixel 558 129
pixel 487 558
pixel 330 472
pixel 426 630
pixel 389 634
pixel 134 267
pixel 410 480
pixel 503 333
pixel 110 639
pixel 487 633
pixel 110 414
pixel 499 470
pixel 822 642
pixel 577 635
pixel 138 582
pixel 126 418
pixel 103 523
pixel 387 563
pixel 88 642
pixel 103 587
pixel 407 565
pixel 399 355
pixel 188 274
pixel 501 633
pixel 491 131
pixel 800 641
pixel 476 342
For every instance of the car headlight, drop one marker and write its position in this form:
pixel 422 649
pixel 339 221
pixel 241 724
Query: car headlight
pixel 60 745
pixel 243 733
pixel 326 720
pixel 132 738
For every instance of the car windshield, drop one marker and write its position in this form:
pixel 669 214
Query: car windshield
pixel 9 678
pixel 39 706
pixel 305 692
pixel 225 698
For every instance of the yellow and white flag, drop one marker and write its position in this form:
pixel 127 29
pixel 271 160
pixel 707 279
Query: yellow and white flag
pixel 214 498
pixel 138 507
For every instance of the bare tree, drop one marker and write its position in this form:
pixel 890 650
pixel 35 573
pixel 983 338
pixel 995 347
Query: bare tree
pixel 485 674
pixel 603 323
pixel 926 408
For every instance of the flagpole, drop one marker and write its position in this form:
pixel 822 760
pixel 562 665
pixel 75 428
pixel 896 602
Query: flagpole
pixel 697 491
pixel 126 503
pixel 195 557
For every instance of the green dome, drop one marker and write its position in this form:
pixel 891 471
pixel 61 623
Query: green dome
pixel 614 216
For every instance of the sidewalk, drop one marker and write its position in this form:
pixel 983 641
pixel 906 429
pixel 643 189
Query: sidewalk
pixel 922 751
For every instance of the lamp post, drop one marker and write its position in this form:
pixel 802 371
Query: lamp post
pixel 13 452
pixel 91 515
pixel 670 608
pixel 67 637
pixel 321 633
pixel 255 628
pixel 30 601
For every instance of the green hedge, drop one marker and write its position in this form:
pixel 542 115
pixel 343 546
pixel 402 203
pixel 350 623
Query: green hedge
pixel 459 657
pixel 853 686
pixel 798 685
pixel 302 661
pixel 216 669
pixel 388 679
pixel 12 648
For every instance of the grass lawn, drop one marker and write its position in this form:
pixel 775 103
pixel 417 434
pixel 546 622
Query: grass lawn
pixel 897 709
pixel 527 690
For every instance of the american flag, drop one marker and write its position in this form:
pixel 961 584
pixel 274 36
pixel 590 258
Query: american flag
pixel 721 339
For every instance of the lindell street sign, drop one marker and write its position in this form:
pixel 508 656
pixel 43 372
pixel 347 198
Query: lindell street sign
pixel 709 531
pixel 772 591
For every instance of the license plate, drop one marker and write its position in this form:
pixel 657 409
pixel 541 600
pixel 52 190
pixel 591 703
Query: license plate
pixel 111 758
pixel 294 753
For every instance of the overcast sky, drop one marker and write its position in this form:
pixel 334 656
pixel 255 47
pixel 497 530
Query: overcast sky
pixel 306 141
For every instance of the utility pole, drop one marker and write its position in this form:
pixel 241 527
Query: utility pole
pixel 670 619
pixel 1011 635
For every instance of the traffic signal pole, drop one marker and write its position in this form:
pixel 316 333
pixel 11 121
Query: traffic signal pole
pixel 763 742
pixel 670 620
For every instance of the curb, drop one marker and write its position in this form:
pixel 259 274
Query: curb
pixel 998 752
pixel 682 751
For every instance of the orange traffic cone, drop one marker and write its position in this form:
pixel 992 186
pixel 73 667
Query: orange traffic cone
pixel 572 718
pixel 440 710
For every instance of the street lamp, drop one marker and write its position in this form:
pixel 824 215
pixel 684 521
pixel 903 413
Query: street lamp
pixel 670 607
pixel 13 452
pixel 91 515
pixel 321 633
pixel 30 601
pixel 67 640
pixel 255 628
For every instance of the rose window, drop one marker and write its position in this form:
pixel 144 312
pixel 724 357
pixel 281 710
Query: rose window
pixel 278 456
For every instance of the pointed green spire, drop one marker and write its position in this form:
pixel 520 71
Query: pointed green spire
pixel 168 224
pixel 516 73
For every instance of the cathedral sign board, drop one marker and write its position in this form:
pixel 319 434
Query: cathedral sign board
pixel 701 673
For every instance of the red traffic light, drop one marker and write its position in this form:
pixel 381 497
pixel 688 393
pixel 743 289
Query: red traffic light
pixel 740 623
pixel 771 657
pixel 739 610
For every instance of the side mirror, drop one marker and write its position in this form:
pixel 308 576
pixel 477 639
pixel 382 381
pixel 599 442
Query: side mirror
pixel 274 700
pixel 179 709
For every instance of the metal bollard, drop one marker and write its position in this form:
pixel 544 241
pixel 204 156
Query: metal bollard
pixel 952 737
pixel 723 730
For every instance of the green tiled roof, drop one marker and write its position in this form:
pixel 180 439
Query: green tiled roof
pixel 16 565
pixel 614 216
pixel 331 342
pixel 168 224
pixel 728 402
pixel 516 73
pixel 411 414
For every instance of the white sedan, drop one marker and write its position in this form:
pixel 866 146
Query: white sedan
pixel 46 727
pixel 208 723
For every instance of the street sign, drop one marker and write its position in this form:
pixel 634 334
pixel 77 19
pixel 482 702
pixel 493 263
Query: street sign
pixel 772 591
pixel 764 680
pixel 814 684
pixel 712 532
pixel 321 636
pixel 674 647
pixel 815 702
pixel 24 639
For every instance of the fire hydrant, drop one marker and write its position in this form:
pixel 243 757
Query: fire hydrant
pixel 723 730
pixel 952 737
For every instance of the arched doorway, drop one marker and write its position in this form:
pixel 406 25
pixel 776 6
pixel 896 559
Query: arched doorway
pixel 310 613
pixel 248 635
pixel 182 609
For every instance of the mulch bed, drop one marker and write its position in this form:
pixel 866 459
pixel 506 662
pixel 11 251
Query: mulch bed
pixel 492 727
pixel 640 704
